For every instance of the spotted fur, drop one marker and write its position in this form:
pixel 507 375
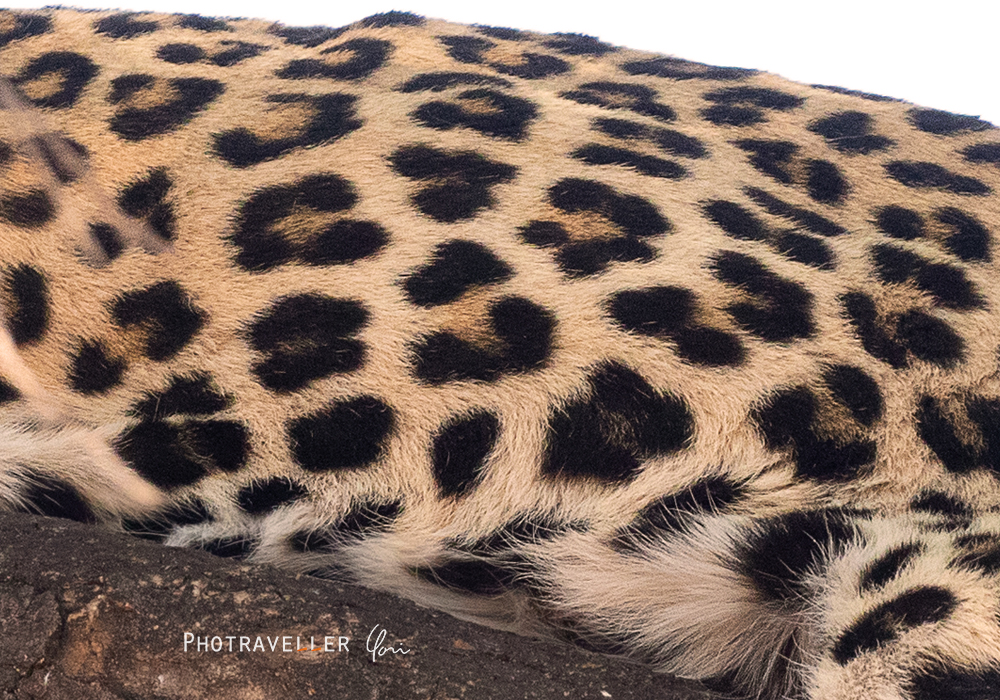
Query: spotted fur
pixel 677 362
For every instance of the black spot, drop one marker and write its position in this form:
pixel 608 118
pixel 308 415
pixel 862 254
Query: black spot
pixel 899 222
pixel 29 210
pixel 887 567
pixel 874 337
pixel 459 182
pixel 770 157
pixel 738 222
pixel 946 283
pixel 946 123
pixel 72 71
pixel 544 234
pixel 472 576
pixel 93 370
pixel 180 53
pixel 181 453
pixel 955 684
pixel 27 304
pixel 850 132
pixel 365 57
pixel 781 552
pixel 985 413
pixel 970 239
pixel 440 81
pixel 461 450
pixel 203 24
pixel 678 69
pixel 884 624
pixel 393 18
pixel 345 241
pixel 194 395
pixel 633 216
pixel 159 525
pixel 524 330
pixel 505 33
pixel 158 452
pixel 931 175
pixel 578 45
pixel 672 514
pixel 237 51
pixel 487 111
pixel 471 49
pixel 225 443
pixel 670 312
pixel 872 97
pixel 636 98
pixel 975 541
pixel 744 105
pixel 787 420
pixel 930 338
pixel 806 249
pixel 677 143
pixel 780 310
pixel 334 116
pixel 825 182
pixel 364 518
pixel 593 257
pixel 987 153
pixel 128 85
pixel 45 495
pixel 109 238
pixel 165 312
pixel 668 140
pixel 227 547
pixel 306 36
pixel 146 199
pixel 264 243
pixel 346 435
pixel 856 390
pixel 809 220
pixel 191 95
pixel 653 311
pixel 982 556
pixel 262 497
pixel 523 530
pixel 938 503
pixel 455 267
pixel 8 392
pixel 621 421
pixel 367 517
pixel 596 154
pixel 21 25
pixel 938 431
pixel 306 337
pixel 124 26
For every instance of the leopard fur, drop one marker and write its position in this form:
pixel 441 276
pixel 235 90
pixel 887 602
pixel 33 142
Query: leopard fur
pixel 683 363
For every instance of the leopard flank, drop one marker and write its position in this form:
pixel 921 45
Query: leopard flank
pixel 682 363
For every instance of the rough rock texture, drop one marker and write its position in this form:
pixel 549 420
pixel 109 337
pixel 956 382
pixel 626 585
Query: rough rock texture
pixel 86 614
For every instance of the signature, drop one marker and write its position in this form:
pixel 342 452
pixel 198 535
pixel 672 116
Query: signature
pixel 379 649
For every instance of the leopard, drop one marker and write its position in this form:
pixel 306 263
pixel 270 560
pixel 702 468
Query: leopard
pixel 687 364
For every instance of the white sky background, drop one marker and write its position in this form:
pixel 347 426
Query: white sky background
pixel 938 54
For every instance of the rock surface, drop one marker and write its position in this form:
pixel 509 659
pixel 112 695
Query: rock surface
pixel 87 614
